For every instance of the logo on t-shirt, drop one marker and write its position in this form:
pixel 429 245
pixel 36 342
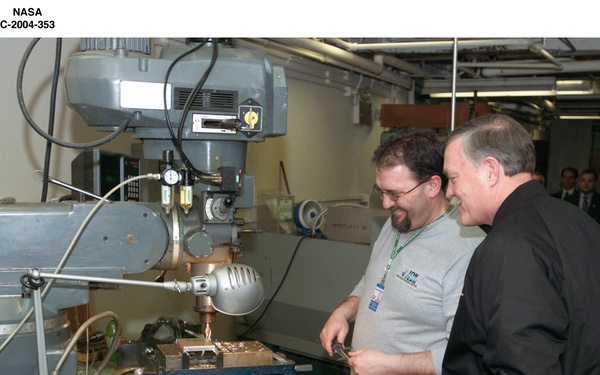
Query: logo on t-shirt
pixel 409 276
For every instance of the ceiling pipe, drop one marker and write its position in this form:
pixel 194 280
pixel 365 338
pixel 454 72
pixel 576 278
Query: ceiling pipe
pixel 284 56
pixel 392 61
pixel 267 44
pixel 523 107
pixel 568 67
pixel 455 45
pixel 344 60
pixel 337 53
pixel 448 44
pixel 546 104
pixel 402 65
pixel 528 65
pixel 289 54
pixel 545 54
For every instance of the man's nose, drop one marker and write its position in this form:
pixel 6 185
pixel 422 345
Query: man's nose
pixel 449 191
pixel 386 202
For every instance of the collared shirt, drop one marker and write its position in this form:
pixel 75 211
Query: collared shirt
pixel 569 192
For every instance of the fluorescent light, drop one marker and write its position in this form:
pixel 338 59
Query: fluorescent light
pixel 582 117
pixel 490 87
pixel 483 94
pixel 509 87
pixel 576 87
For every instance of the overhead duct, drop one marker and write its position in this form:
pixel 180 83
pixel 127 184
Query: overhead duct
pixel 402 65
pixel 329 50
pixel 436 46
pixel 441 45
pixel 348 62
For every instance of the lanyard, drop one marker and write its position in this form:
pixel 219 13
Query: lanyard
pixel 397 249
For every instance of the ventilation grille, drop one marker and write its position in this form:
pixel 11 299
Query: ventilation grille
pixel 213 100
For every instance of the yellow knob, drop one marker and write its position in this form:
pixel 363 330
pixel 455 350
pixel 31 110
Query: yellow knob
pixel 251 118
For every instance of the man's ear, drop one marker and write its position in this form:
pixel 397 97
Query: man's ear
pixel 493 170
pixel 435 185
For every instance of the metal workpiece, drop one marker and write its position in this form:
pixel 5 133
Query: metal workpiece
pixel 203 356
pixel 243 353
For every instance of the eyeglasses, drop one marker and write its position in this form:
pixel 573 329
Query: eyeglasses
pixel 394 196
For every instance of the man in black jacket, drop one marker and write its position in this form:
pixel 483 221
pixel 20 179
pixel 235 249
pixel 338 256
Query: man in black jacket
pixel 568 184
pixel 588 199
pixel 531 299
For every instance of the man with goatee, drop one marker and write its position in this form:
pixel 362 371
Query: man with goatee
pixel 403 307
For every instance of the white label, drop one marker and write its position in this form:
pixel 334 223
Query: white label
pixel 145 95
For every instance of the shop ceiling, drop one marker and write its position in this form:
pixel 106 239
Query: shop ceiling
pixel 549 78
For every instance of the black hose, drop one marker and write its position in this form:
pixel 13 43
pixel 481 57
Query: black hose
pixel 177 138
pixel 37 129
pixel 57 57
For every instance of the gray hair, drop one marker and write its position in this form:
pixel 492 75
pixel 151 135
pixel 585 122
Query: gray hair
pixel 500 137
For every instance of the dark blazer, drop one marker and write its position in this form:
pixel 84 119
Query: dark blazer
pixel 573 198
pixel 594 210
pixel 530 304
pixel 559 193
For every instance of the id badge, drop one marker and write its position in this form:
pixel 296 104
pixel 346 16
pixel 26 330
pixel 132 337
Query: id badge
pixel 377 295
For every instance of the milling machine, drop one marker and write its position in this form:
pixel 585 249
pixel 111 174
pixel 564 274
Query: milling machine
pixel 195 108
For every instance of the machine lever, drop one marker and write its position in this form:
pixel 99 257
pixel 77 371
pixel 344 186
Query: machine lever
pixel 65 185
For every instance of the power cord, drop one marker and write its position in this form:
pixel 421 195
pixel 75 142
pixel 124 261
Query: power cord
pixel 41 132
pixel 177 139
pixel 251 328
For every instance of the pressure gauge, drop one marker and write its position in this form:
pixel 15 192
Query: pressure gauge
pixel 170 177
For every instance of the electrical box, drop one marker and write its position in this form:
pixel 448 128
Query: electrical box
pixel 98 171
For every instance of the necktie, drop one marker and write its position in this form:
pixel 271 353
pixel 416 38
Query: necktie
pixel 566 195
pixel 585 205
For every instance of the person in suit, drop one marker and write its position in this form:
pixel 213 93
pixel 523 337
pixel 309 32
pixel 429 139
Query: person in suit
pixel 589 199
pixel 568 182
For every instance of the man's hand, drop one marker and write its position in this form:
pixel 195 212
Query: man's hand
pixel 375 362
pixel 337 327
pixel 371 362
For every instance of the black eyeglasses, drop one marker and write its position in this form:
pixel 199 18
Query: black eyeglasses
pixel 394 196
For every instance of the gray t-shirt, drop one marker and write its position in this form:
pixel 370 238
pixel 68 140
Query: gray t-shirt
pixel 421 292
